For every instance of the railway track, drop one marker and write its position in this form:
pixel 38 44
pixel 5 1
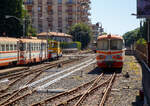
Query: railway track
pixel 16 74
pixel 20 75
pixel 7 98
pixel 76 96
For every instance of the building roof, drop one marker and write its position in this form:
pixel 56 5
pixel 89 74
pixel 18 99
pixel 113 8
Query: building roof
pixel 54 34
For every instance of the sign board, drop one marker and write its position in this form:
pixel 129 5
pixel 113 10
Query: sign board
pixel 143 8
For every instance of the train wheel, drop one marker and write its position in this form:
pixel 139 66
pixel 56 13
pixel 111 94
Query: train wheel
pixel 34 61
pixel 14 63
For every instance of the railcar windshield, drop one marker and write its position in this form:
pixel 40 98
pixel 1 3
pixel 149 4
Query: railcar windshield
pixel 113 44
pixel 103 44
pixel 116 44
pixel 54 45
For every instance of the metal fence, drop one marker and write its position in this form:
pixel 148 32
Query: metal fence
pixel 141 54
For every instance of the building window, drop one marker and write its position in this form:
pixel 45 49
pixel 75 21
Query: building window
pixel 39 8
pixel 70 1
pixel 59 1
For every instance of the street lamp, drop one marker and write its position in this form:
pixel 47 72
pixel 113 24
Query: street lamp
pixel 23 22
pixel 100 28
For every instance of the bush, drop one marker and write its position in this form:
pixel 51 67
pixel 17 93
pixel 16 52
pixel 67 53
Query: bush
pixel 141 41
pixel 67 45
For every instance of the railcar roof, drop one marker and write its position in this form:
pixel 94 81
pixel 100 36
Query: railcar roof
pixel 33 40
pixel 110 37
pixel 8 39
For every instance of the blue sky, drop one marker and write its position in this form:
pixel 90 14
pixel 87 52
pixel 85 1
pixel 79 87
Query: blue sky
pixel 115 15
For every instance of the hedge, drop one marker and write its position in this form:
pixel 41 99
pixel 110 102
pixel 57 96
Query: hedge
pixel 68 45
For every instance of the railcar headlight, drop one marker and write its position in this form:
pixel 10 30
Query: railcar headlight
pixel 118 56
pixel 101 56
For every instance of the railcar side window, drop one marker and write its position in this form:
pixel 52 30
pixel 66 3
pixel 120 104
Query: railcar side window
pixel 37 46
pixel 7 47
pixel 31 46
pixel 15 47
pixel 11 47
pixel 0 47
pixel 28 46
pixel 103 44
pixel 24 46
pixel 3 47
pixel 34 46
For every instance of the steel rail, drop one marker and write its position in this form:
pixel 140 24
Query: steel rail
pixel 107 90
pixel 86 92
pixel 64 93
pixel 79 96
pixel 7 102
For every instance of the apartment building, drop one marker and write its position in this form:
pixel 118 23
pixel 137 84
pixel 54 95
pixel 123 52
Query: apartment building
pixel 57 15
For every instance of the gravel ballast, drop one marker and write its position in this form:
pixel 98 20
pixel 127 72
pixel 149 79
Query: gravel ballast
pixel 124 90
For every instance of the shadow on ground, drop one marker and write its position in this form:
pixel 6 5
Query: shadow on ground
pixel 105 71
pixel 138 102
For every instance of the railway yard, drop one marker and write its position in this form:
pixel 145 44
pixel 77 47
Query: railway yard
pixel 73 81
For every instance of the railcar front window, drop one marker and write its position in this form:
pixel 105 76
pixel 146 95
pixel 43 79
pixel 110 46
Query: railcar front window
pixel 116 44
pixel 103 44
pixel 3 47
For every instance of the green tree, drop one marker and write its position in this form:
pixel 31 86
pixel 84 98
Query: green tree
pixel 104 33
pixel 11 26
pixel 31 31
pixel 141 41
pixel 82 33
pixel 131 36
pixel 140 34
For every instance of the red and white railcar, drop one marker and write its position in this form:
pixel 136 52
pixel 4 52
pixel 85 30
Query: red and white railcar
pixel 33 50
pixel 110 51
pixel 8 51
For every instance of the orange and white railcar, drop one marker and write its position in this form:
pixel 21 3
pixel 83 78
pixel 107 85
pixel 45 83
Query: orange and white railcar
pixel 8 51
pixel 33 50
pixel 110 51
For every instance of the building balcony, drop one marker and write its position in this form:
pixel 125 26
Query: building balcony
pixel 70 3
pixel 50 18
pixel 89 14
pixel 28 3
pixel 69 10
pixel 29 7
pixel 50 12
pixel 49 3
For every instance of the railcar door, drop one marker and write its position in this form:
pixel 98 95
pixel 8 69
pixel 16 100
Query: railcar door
pixel 41 51
pixel 30 47
pixel 45 49
pixel 18 50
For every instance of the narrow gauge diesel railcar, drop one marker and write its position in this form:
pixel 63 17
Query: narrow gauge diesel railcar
pixel 54 50
pixel 9 51
pixel 110 51
pixel 33 50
